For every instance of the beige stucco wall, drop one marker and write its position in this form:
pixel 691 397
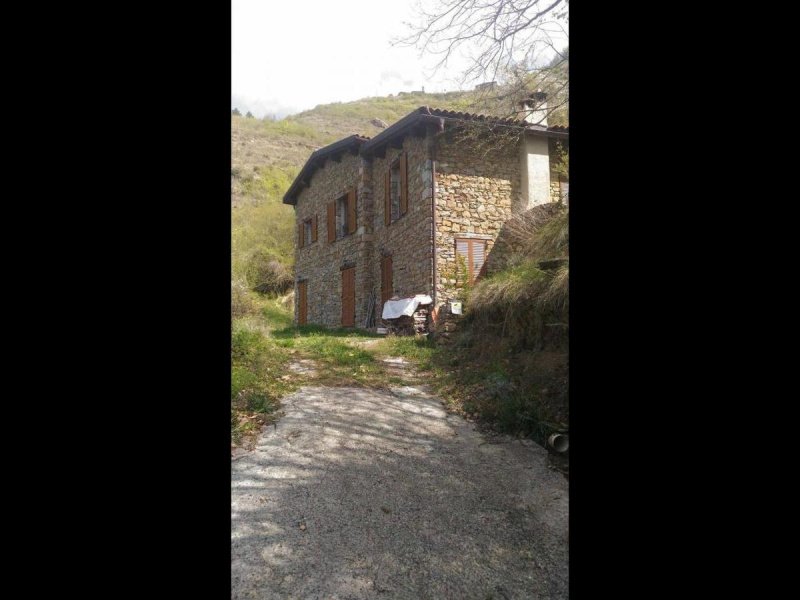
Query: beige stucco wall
pixel 534 171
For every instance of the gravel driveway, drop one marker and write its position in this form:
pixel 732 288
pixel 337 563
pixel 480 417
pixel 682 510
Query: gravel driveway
pixel 359 493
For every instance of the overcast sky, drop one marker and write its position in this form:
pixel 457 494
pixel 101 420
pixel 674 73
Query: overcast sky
pixel 290 55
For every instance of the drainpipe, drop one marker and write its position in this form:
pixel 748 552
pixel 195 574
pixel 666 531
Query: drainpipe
pixel 433 224
pixel 432 151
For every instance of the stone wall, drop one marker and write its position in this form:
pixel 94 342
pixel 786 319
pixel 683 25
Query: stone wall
pixel 407 239
pixel 446 324
pixel 474 197
pixel 320 262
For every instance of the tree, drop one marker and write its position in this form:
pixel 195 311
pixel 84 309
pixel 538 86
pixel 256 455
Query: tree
pixel 249 115
pixel 236 112
pixel 515 42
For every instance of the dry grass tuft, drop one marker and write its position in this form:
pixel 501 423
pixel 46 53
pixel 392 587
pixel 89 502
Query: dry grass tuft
pixel 556 295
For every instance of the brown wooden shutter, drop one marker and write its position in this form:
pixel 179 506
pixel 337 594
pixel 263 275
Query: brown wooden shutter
pixel 474 254
pixel 471 260
pixel 478 257
pixel 331 222
pixel 314 229
pixel 386 279
pixel 351 211
pixel 302 303
pixel 349 297
pixel 387 199
pixel 462 250
pixel 403 184
pixel 301 238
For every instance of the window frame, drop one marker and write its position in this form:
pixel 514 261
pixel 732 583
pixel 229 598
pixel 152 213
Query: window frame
pixel 395 190
pixel 398 195
pixel 471 275
pixel 345 215
pixel 342 226
pixel 308 231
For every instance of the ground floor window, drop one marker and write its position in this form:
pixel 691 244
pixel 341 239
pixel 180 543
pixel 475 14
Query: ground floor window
pixel 470 258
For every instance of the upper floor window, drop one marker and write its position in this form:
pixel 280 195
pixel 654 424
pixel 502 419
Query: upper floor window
pixel 395 191
pixel 342 216
pixel 307 231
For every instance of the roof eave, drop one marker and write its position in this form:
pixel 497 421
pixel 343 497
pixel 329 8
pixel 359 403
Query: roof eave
pixel 550 133
pixel 388 134
pixel 320 155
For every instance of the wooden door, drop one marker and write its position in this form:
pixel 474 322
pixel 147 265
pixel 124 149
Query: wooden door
pixel 302 303
pixel 349 297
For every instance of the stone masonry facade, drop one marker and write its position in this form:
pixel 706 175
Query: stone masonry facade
pixel 319 264
pixel 408 239
pixel 454 191
pixel 475 195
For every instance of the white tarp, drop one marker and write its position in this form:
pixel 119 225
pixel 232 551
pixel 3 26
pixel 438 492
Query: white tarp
pixel 404 306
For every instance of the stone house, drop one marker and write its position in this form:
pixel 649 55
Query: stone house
pixel 414 210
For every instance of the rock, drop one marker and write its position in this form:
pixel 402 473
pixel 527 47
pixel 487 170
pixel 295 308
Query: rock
pixel 379 123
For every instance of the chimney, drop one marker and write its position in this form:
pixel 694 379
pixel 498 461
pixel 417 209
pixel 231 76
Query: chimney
pixel 534 108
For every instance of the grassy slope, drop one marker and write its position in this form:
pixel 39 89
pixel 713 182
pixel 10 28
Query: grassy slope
pixel 265 343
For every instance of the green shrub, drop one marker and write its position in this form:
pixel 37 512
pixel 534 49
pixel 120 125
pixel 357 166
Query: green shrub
pixel 267 275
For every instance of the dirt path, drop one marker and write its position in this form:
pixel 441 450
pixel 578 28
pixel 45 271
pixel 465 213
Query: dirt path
pixel 358 493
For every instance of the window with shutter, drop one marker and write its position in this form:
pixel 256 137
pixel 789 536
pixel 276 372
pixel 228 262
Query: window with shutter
pixel 314 229
pixel 300 234
pixel 395 190
pixel 472 255
pixel 308 232
pixel 341 217
pixel 346 214
pixel 387 199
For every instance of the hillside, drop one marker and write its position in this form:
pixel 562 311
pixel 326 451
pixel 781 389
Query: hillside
pixel 286 144
pixel 266 156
